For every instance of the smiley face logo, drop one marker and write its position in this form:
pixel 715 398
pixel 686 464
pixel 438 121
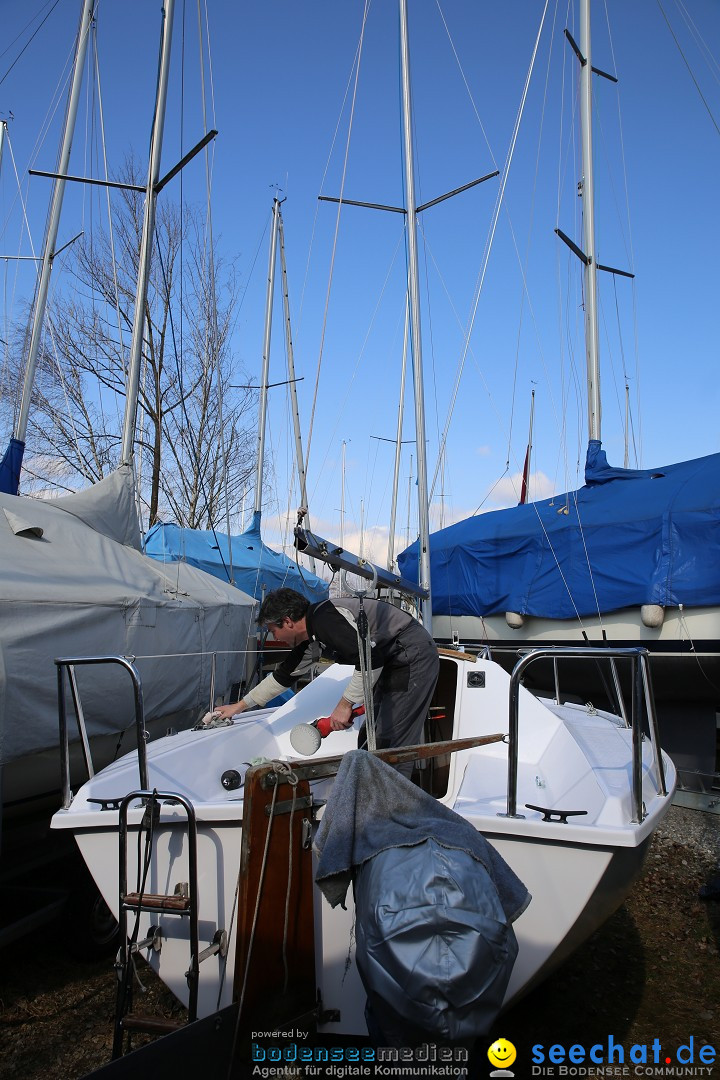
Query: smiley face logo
pixel 502 1053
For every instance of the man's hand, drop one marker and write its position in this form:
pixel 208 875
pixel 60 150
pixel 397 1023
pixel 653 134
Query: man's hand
pixel 228 711
pixel 341 716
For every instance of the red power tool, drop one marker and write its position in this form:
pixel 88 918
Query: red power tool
pixel 306 738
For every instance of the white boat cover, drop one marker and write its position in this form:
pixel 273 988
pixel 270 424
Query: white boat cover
pixel 73 582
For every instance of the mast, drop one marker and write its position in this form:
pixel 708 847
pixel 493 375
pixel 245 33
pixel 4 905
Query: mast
pixel 342 497
pixel 136 342
pixel 291 376
pixel 398 449
pixel 53 222
pixel 262 418
pixel 528 454
pixel 588 198
pixel 415 340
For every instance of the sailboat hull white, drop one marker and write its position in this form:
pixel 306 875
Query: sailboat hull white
pixel 577 871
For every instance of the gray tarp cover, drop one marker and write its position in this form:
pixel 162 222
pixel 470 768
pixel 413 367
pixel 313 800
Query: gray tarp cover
pixel 434 901
pixel 73 583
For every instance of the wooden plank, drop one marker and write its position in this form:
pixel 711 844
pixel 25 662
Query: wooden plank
pixel 285 869
pixel 156 901
pixel 457 655
pixel 324 767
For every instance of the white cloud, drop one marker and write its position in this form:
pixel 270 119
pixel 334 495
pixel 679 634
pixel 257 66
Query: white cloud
pixel 507 491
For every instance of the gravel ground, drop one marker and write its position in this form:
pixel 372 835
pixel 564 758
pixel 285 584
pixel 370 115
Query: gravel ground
pixel 696 830
pixel 652 971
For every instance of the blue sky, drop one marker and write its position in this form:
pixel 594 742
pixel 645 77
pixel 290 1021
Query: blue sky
pixel 280 74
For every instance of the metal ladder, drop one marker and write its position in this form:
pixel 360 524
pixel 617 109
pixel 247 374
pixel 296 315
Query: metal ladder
pixel 183 902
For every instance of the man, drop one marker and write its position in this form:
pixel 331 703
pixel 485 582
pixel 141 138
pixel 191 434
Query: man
pixel 403 660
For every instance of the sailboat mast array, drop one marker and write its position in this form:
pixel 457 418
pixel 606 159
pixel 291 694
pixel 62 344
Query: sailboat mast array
pixel 51 233
pixel 415 335
pixel 588 203
pixel 398 448
pixel 151 193
pixel 302 473
pixel 267 335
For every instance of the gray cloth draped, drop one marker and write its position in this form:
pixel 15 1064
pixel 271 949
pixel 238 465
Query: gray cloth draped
pixel 372 808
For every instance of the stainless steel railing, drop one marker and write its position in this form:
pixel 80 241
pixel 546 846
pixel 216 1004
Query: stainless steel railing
pixel 641 691
pixel 68 664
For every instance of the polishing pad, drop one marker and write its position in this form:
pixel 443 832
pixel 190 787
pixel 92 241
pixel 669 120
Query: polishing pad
pixel 305 738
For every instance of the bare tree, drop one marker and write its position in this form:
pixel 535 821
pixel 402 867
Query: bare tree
pixel 194 447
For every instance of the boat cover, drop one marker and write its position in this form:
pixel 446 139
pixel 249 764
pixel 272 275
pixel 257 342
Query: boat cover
pixel 626 538
pixel 72 583
pixel 434 903
pixel 432 944
pixel 10 467
pixel 253 566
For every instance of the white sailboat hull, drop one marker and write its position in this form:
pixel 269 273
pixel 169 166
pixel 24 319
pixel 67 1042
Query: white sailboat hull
pixel 577 872
pixel 679 632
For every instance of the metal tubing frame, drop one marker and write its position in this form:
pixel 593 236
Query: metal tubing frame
pixel 415 324
pixel 641 688
pixel 53 222
pixel 653 726
pixel 71 662
pixel 149 797
pixel 267 336
pixel 156 140
pixel 80 717
pixel 592 336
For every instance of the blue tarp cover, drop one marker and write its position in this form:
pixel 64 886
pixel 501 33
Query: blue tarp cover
pixel 627 537
pixel 10 467
pixel 256 568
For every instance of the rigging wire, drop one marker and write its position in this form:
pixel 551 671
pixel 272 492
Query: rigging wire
pixel 690 71
pixel 86 467
pixel 503 182
pixel 28 42
pixel 111 230
pixel 710 60
pixel 523 263
pixel 213 328
pixel 488 247
pixel 339 410
pixel 10 302
pixel 333 141
pixel 358 58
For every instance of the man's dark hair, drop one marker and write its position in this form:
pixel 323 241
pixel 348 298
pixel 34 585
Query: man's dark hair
pixel 282 604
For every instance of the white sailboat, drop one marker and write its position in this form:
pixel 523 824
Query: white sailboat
pixel 570 758
pixel 75 581
pixel 628 559
pixel 220 894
